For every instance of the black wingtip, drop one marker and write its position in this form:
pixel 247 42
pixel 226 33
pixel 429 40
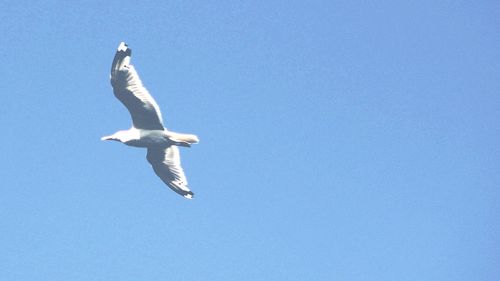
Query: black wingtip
pixel 123 47
pixel 189 195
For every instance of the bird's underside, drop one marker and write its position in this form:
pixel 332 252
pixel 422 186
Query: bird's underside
pixel 147 125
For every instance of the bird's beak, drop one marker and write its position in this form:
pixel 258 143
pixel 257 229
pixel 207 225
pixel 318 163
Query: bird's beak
pixel 107 138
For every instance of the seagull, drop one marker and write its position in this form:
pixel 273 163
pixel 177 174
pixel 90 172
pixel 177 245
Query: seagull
pixel 147 125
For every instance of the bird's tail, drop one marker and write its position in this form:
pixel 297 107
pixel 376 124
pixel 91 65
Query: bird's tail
pixel 186 139
pixel 122 58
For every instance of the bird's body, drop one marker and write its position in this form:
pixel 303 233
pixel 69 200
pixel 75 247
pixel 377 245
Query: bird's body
pixel 152 138
pixel 147 125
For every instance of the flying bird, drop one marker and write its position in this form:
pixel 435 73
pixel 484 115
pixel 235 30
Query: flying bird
pixel 147 125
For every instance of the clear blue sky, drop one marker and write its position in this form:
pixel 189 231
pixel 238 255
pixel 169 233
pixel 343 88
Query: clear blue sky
pixel 340 140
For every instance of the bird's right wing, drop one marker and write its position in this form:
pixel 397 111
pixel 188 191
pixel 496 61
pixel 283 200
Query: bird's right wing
pixel 128 88
pixel 167 165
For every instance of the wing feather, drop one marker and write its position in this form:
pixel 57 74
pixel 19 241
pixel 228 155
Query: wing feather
pixel 128 88
pixel 167 165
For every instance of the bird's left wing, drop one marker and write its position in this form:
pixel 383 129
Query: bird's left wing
pixel 167 165
pixel 128 88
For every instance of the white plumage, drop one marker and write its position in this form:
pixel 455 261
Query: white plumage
pixel 147 125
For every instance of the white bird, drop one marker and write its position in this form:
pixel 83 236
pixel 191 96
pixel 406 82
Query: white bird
pixel 147 125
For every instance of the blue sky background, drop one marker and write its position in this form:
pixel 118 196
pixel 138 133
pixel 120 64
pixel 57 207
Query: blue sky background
pixel 340 140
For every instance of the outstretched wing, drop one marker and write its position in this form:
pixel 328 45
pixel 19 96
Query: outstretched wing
pixel 167 165
pixel 128 88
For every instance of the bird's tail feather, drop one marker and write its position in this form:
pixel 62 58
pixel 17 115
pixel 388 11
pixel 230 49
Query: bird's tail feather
pixel 187 138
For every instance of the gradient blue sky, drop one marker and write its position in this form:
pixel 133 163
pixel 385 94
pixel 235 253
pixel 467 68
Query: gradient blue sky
pixel 340 140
